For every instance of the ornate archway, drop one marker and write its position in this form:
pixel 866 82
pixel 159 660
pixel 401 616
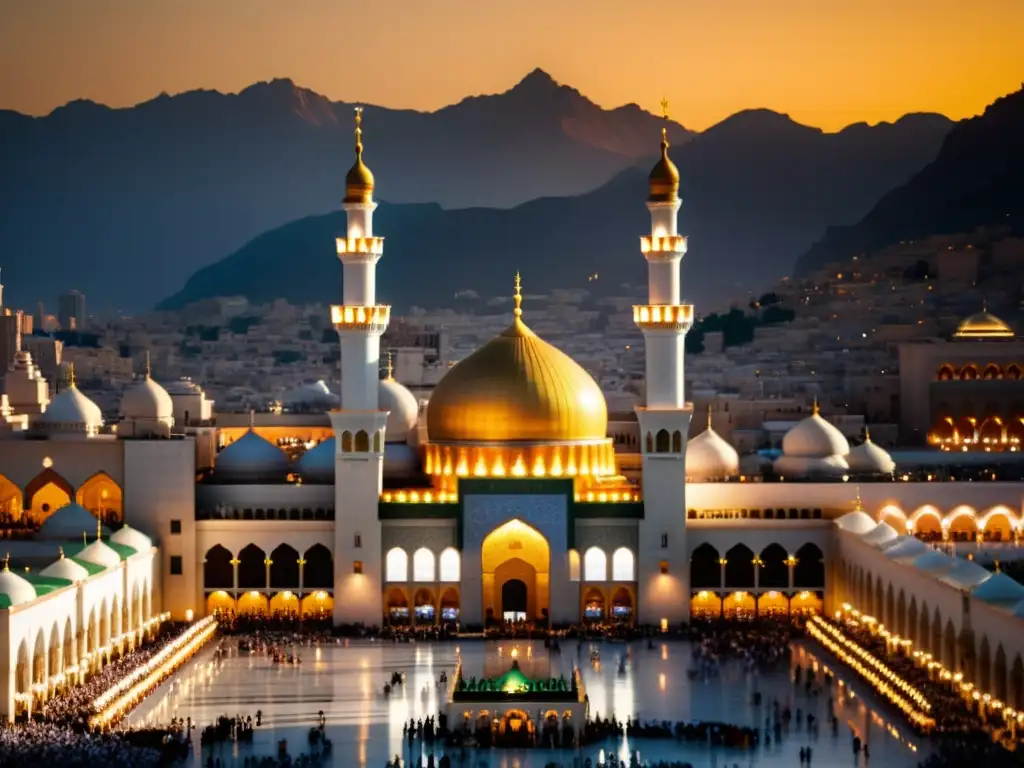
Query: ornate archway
pixel 514 552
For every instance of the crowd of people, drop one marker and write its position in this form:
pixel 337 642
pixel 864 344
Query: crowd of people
pixel 31 745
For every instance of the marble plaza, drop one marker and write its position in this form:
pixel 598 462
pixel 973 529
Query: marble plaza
pixel 346 682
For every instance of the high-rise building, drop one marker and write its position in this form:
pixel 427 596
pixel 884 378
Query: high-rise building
pixel 10 334
pixel 71 311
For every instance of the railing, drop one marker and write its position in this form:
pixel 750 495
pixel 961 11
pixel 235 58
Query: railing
pixel 664 315
pixel 347 316
pixel 367 245
pixel 663 244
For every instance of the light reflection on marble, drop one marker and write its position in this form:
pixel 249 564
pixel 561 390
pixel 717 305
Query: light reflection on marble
pixel 346 682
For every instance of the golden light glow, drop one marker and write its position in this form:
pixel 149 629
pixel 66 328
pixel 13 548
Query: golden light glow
pixel 586 459
pixel 517 388
pixel 663 315
pixel 984 325
pixel 420 496
pixel 663 244
pixel 368 245
pixel 357 317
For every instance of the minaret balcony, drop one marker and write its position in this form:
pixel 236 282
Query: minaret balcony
pixel 663 246
pixel 353 318
pixel 668 317
pixel 360 246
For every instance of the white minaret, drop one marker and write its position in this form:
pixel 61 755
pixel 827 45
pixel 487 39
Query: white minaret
pixel 663 577
pixel 359 424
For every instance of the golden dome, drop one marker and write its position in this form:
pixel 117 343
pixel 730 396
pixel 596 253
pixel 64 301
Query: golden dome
pixel 664 177
pixel 984 325
pixel 517 388
pixel 359 179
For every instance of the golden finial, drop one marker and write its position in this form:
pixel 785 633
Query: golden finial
pixel 99 529
pixel 664 107
pixel 391 367
pixel 85 539
pixel 816 407
pixel 664 177
pixel 60 551
pixel 149 369
pixel 71 373
pixel 7 562
pixel 867 434
pixel 517 297
pixel 709 415
pixel 997 566
pixel 359 132
pixel 859 505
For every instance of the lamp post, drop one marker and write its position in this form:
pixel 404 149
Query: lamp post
pixel 790 562
pixel 722 562
pixel 302 581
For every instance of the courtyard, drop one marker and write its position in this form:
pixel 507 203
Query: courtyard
pixel 346 683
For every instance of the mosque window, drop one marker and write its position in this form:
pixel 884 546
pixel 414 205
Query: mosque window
pixel 176 527
pixel 450 565
pixel 397 565
pixel 423 565
pixel 176 567
pixel 357 566
pixel 595 565
pixel 664 566
pixel 623 565
pixel 664 541
pixel 358 541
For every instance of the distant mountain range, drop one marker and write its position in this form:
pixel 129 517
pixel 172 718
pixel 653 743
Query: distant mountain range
pixel 125 204
pixel 757 188
pixel 977 180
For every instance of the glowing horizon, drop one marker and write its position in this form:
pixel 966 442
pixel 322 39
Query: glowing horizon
pixel 825 65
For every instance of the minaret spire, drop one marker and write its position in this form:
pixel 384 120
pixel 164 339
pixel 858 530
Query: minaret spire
pixel 149 370
pixel 816 409
pixel 7 562
pixel 709 415
pixel 71 374
pixel 99 529
pixel 359 181
pixel 391 367
pixel 517 297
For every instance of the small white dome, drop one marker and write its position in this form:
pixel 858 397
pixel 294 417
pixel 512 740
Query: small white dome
pixel 65 568
pixel 935 562
pixel 251 458
pixel 868 458
pixel 804 466
pixel 966 574
pixel 999 589
pixel 709 456
pixel 858 522
pixel 99 553
pixel 184 386
pixel 400 460
pixel 17 589
pixel 317 464
pixel 315 395
pixel 404 410
pixel 72 410
pixel 129 537
pixel 814 438
pixel 147 400
pixel 68 523
pixel 880 535
pixel 907 549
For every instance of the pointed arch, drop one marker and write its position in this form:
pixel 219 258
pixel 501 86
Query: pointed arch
pixel 46 493
pixel 423 565
pixel 252 571
pixel 649 443
pixel 376 442
pixel 809 571
pixel 396 565
pixel 774 574
pixel 361 443
pixel 705 571
pixel 102 496
pixel 739 568
pixel 677 442
pixel 595 565
pixel 318 572
pixel 662 441
pixel 284 567
pixel 450 565
pixel 218 570
pixel 575 565
pixel 346 442
pixel 623 565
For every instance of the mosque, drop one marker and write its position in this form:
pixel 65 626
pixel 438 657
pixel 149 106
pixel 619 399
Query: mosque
pixel 508 495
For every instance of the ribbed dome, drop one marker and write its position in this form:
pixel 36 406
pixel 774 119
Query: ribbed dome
pixel 65 568
pixel 664 177
pixel 251 458
pixel 72 410
pixel 403 407
pixel 147 400
pixel 868 458
pixel 517 388
pixel 359 180
pixel 99 553
pixel 814 438
pixel 129 537
pixel 68 523
pixel 983 325
pixel 709 456
pixel 858 522
pixel 317 464
pixel 17 589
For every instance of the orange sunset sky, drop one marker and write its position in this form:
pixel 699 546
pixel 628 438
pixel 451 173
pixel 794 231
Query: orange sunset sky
pixel 826 63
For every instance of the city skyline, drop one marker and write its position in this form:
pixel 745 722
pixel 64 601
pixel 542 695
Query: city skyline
pixel 728 56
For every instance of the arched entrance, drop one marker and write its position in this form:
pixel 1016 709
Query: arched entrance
pixel 517 555
pixel 514 600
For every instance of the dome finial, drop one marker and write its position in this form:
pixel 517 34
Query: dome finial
pixel 858 505
pixel 391 367
pixel 359 133
pixel 709 415
pixel 149 369
pixel 85 539
pixel 359 181
pixel 7 562
pixel 71 374
pixel 517 297
pixel 60 552
pixel 99 529
pixel 867 434
pixel 663 180
pixel 816 407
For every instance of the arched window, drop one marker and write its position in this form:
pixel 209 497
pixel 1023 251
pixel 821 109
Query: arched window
pixel 362 442
pixel 423 565
pixel 346 442
pixel 662 441
pixel 397 565
pixel 595 565
pixel 677 442
pixel 574 565
pixel 623 565
pixel 450 565
pixel 650 443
